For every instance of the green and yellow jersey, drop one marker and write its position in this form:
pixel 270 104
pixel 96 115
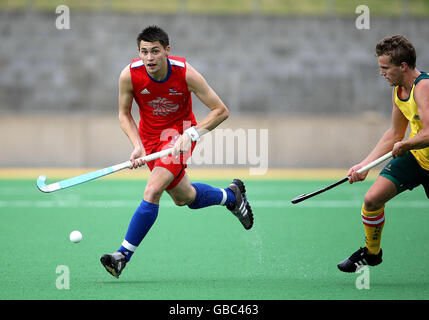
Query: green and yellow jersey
pixel 409 109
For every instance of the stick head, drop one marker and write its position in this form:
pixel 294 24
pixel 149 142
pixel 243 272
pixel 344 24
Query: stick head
pixel 299 198
pixel 41 183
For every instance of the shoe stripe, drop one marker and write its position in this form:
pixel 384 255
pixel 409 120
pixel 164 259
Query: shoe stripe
pixel 359 264
pixel 242 207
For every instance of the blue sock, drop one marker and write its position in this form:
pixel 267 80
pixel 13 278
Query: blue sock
pixel 209 196
pixel 142 220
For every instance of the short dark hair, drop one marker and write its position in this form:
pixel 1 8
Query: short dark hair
pixel 399 49
pixel 152 34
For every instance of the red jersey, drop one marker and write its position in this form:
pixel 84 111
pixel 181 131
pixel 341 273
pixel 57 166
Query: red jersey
pixel 165 106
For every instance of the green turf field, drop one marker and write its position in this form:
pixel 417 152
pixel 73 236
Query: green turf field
pixel 291 253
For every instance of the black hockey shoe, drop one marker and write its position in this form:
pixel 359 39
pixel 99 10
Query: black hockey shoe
pixel 241 209
pixel 359 259
pixel 114 263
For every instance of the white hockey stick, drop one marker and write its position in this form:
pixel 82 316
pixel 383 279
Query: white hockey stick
pixel 41 181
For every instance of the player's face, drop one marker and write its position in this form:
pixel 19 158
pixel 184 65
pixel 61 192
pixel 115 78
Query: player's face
pixel 388 70
pixel 154 57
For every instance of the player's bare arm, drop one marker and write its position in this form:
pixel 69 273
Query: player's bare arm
pixel 218 111
pixel 126 119
pixel 394 134
pixel 421 139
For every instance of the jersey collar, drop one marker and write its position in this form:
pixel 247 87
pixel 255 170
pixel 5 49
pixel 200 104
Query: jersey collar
pixel 166 78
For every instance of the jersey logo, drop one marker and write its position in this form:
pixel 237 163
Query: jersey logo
pixel 174 92
pixel 163 107
pixel 145 91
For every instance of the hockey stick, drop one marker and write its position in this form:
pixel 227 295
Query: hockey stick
pixel 41 181
pixel 361 170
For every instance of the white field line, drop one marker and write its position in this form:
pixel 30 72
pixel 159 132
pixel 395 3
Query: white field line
pixel 76 203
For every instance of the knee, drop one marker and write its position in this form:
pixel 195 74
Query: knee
pixel 181 201
pixel 153 193
pixel 182 198
pixel 372 203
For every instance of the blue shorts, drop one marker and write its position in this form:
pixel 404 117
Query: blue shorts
pixel 406 173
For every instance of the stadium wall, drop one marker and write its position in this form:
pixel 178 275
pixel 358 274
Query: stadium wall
pixel 311 81
pixel 269 64
pixel 97 141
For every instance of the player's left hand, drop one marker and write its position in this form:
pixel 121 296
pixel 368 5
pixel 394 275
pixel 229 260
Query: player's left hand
pixel 399 149
pixel 137 153
pixel 183 144
pixel 354 176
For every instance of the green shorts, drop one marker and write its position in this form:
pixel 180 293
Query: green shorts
pixel 406 173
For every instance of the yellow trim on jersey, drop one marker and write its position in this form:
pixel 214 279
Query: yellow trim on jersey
pixel 409 109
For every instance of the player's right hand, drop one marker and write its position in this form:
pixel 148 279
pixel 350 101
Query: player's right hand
pixel 182 145
pixel 354 176
pixel 138 152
